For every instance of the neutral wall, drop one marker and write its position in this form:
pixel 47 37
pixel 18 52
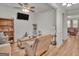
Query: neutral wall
pixel 20 26
pixel 46 21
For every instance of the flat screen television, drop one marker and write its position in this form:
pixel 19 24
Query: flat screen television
pixel 22 16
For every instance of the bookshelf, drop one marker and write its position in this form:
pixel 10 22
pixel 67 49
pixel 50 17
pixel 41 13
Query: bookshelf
pixel 7 27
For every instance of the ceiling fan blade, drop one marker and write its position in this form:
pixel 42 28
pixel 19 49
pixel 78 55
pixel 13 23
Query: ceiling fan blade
pixel 25 3
pixel 20 4
pixel 32 7
pixel 32 10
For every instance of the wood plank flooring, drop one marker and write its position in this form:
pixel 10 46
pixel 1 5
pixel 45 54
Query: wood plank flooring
pixel 15 51
pixel 69 48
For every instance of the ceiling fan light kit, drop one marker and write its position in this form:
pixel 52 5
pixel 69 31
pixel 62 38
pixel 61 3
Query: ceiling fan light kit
pixel 25 10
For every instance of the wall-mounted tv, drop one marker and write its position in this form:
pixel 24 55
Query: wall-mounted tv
pixel 22 16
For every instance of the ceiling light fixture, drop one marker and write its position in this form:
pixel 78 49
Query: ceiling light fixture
pixel 68 4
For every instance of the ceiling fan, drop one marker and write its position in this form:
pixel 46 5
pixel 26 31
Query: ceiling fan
pixel 25 7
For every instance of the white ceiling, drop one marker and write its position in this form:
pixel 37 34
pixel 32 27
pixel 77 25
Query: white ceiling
pixel 39 7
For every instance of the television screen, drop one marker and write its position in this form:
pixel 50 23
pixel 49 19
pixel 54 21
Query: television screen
pixel 22 16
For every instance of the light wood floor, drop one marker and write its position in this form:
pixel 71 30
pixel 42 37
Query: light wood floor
pixel 68 48
pixel 15 51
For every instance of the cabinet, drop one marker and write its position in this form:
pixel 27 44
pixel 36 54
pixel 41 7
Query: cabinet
pixel 7 27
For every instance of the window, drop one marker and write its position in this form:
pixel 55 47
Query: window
pixel 68 23
pixel 75 23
